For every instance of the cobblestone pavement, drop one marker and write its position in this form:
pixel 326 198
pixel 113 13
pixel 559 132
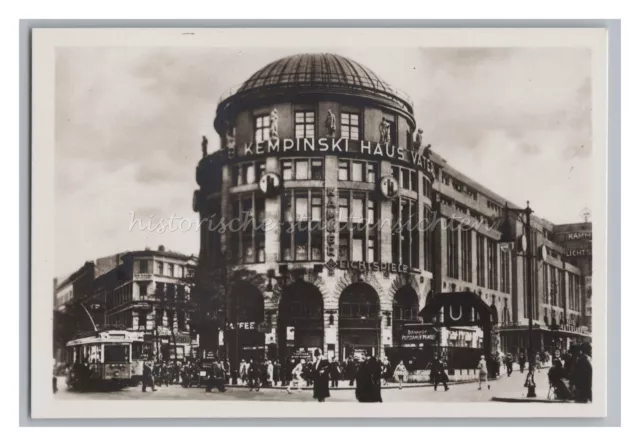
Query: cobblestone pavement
pixel 505 386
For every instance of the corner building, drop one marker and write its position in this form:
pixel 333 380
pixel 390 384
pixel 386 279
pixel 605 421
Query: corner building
pixel 319 161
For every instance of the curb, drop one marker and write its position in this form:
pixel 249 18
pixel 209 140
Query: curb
pixel 528 400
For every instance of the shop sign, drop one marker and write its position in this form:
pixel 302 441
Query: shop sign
pixel 389 187
pixel 331 146
pixel 291 333
pixel 579 236
pixel 418 333
pixel 242 325
pixel 367 266
pixel 301 353
pixel 269 338
pixel 577 252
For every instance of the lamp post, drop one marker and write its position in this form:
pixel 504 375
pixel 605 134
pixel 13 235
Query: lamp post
pixel 528 255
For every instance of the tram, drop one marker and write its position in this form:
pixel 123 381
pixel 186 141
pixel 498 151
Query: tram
pixel 111 358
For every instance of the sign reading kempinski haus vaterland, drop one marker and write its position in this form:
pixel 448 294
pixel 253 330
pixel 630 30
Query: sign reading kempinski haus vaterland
pixel 334 146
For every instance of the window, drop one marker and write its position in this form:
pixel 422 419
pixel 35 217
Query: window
pixel 356 171
pixel 545 282
pixel 360 171
pixel 143 266
pixel 246 228
pixel 492 262
pixel 143 289
pixel 343 170
pixel 302 169
pixel 160 268
pixel 427 237
pixel 178 271
pixel 371 250
pixel 405 246
pixel 247 173
pixel 505 272
pixel 452 249
pixel 466 254
pixel 262 128
pixel 407 178
pixel 301 235
pixel 317 169
pixel 357 237
pixel 350 125
pixel 170 269
pixel 305 124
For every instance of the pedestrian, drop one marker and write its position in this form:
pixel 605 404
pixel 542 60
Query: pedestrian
pixel 440 374
pixel 508 362
pixel 243 372
pixel 400 373
pixel 320 377
pixel 334 372
pixel 384 371
pixel 368 384
pixel 482 373
pixel 583 375
pixel 538 362
pixel 216 377
pixel 253 375
pixel 521 361
pixel 147 377
pixel 351 370
pixel 277 372
pixel 270 373
pixel 296 375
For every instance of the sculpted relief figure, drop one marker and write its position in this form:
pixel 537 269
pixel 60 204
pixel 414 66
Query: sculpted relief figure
pixel 330 123
pixel 273 124
pixel 417 144
pixel 385 131
pixel 205 143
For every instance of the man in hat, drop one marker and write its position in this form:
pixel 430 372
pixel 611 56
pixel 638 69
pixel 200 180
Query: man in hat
pixel 320 373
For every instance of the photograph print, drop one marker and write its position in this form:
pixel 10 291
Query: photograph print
pixel 299 222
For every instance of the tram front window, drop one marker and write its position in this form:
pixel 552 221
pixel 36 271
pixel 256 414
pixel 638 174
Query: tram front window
pixel 116 353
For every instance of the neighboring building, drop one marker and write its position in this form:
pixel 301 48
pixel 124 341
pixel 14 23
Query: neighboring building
pixel 145 291
pixel 314 144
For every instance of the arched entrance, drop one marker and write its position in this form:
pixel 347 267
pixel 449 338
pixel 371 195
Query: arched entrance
pixel 300 319
pixel 406 307
pixel 244 315
pixel 359 320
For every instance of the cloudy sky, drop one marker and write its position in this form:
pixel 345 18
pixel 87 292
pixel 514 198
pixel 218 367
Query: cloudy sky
pixel 129 123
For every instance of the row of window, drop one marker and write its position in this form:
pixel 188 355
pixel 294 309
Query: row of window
pixel 146 322
pixel 459 259
pixel 313 169
pixel 161 268
pixel 305 126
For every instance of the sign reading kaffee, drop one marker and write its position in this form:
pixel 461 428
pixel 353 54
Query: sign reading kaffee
pixel 313 147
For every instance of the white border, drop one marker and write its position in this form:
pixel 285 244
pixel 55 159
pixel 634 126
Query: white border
pixel 43 163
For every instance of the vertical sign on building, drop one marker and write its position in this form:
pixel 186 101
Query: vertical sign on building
pixel 331 225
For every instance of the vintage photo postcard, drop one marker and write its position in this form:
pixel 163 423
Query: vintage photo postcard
pixel 296 222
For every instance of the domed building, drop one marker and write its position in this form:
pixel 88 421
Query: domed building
pixel 313 207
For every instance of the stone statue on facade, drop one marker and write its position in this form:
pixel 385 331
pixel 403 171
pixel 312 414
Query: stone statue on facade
pixel 385 131
pixel 205 144
pixel 273 124
pixel 417 143
pixel 330 123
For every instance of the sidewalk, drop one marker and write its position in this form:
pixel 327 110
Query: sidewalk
pixel 519 393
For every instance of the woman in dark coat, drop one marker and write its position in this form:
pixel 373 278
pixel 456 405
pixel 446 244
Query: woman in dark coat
pixel 320 373
pixel 368 382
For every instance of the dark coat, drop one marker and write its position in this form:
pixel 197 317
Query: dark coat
pixel 335 370
pixel 320 374
pixel 368 385
pixel 439 372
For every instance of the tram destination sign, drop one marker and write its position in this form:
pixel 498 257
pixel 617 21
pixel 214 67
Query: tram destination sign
pixel 330 146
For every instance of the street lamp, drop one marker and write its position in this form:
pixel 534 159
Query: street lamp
pixel 527 253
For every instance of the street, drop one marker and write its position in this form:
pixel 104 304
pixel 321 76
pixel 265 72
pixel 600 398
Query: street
pixel 507 387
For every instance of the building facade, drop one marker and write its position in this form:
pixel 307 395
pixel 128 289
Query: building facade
pixel 333 223
pixel 146 291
